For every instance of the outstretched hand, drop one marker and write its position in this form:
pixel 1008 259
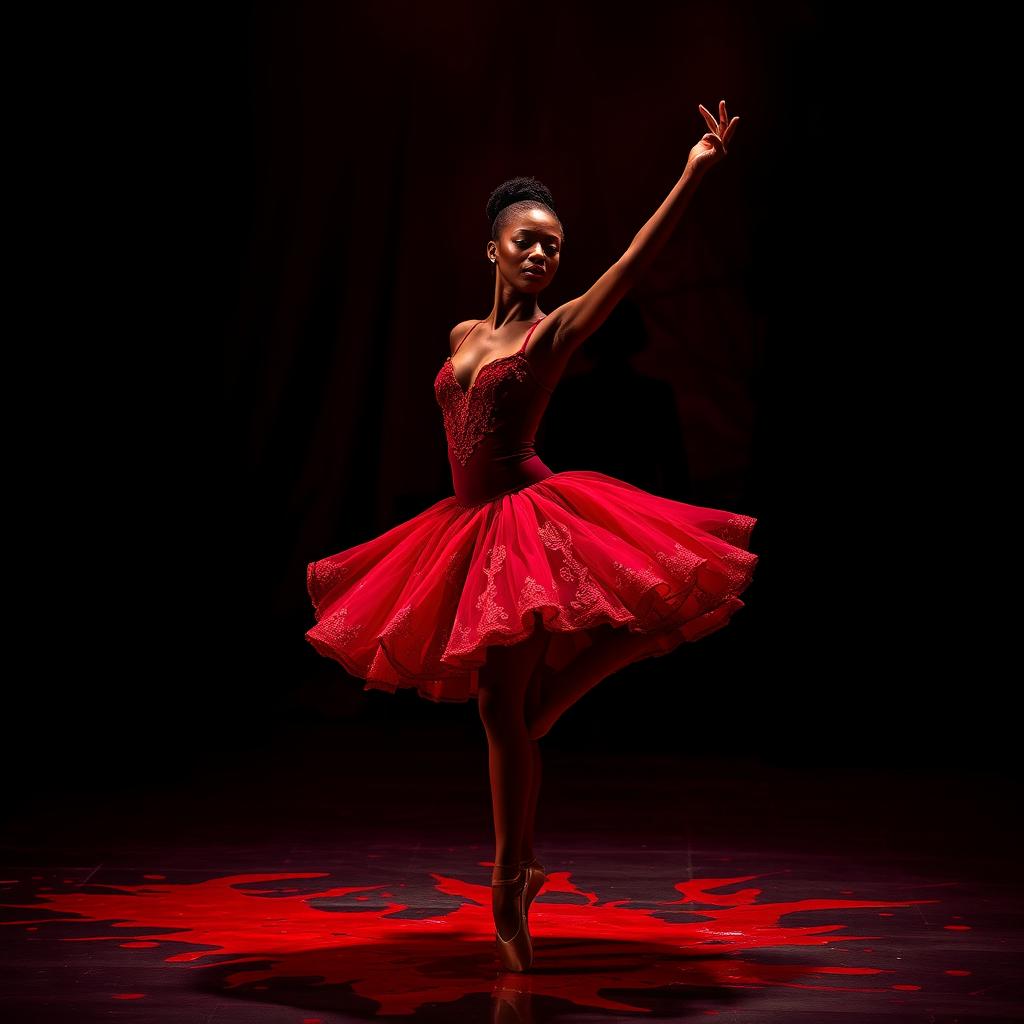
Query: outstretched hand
pixel 713 146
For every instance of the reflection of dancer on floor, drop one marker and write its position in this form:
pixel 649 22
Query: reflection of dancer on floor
pixel 519 700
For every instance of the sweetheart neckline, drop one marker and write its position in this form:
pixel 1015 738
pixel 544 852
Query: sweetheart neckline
pixel 455 376
pixel 511 355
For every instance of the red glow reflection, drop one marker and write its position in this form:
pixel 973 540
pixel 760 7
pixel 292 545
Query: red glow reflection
pixel 584 946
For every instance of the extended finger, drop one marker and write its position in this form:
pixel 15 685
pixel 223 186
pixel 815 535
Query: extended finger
pixel 731 129
pixel 712 123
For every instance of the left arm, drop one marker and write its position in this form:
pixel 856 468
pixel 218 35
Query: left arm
pixel 577 319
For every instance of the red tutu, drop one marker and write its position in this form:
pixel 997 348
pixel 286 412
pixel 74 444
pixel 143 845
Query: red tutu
pixel 518 548
pixel 420 604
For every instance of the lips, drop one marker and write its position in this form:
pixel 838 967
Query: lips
pixel 533 271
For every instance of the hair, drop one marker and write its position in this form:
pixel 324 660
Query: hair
pixel 514 196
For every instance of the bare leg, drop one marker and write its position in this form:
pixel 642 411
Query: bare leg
pixel 533 698
pixel 559 691
pixel 504 682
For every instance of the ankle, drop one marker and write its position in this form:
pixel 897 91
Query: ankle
pixel 506 872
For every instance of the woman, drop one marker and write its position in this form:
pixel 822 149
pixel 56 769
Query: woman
pixel 527 587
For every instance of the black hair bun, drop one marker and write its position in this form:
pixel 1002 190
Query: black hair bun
pixel 524 190
pixel 515 190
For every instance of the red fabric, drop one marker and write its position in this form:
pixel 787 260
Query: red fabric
pixel 519 547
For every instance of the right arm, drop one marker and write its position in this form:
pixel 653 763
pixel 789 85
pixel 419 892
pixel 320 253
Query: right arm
pixel 568 326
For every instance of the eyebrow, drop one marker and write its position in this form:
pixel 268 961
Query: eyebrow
pixel 531 231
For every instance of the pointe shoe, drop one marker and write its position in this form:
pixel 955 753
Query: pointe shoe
pixel 516 952
pixel 534 882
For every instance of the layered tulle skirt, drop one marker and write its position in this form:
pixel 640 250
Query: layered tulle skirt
pixel 577 554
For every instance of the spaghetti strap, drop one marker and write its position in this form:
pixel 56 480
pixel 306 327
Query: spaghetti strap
pixel 467 334
pixel 529 332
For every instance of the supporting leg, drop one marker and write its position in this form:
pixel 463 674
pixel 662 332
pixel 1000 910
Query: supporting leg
pixel 533 699
pixel 504 682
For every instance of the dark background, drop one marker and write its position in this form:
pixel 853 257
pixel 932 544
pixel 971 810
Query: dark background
pixel 257 226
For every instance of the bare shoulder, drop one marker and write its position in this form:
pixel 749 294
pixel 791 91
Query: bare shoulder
pixel 459 331
pixel 550 344
pixel 557 322
pixel 548 352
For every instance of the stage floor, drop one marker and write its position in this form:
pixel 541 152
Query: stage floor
pixel 327 888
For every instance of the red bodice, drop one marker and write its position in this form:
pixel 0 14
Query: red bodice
pixel 491 427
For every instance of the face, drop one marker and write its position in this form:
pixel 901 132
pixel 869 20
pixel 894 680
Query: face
pixel 528 250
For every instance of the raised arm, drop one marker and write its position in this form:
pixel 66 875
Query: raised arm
pixel 575 320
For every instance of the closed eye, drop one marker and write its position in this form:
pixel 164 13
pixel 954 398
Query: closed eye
pixel 551 248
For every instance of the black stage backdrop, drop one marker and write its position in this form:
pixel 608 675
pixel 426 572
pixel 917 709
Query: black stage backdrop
pixel 257 225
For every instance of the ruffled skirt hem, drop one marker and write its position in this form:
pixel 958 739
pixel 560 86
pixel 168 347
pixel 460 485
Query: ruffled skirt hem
pixel 580 554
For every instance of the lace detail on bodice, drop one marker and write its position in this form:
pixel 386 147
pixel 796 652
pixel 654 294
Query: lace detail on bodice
pixel 469 415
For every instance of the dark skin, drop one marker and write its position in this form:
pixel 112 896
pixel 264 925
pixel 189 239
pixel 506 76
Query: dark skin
pixel 515 705
pixel 534 238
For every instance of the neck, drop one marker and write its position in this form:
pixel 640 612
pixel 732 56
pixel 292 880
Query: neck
pixel 512 307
